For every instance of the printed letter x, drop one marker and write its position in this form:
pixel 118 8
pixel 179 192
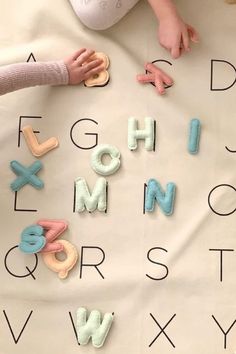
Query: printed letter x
pixel 162 330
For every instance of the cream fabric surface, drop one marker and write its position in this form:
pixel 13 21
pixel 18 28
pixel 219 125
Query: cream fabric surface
pixel 192 290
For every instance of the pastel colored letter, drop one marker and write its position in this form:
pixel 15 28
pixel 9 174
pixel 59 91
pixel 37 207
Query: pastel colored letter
pixel 62 267
pixel 165 199
pixel 53 229
pixel 194 136
pixel 95 327
pixel 146 134
pixel 96 160
pixel 85 200
pixel 35 147
pixel 32 239
pixel 26 175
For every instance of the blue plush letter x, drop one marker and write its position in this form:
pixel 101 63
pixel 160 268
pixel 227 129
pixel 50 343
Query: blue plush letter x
pixel 26 175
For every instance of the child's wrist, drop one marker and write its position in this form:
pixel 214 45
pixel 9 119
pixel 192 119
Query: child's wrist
pixel 167 14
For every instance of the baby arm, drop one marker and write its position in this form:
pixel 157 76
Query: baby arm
pixel 73 70
pixel 173 33
pixel 21 75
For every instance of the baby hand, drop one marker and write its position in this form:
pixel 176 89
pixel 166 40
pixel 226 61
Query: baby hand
pixel 81 67
pixel 175 35
pixel 156 76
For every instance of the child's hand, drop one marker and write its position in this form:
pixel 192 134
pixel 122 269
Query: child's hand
pixel 80 67
pixel 175 35
pixel 156 76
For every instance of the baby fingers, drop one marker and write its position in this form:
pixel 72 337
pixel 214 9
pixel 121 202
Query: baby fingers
pixel 78 53
pixel 193 35
pixel 92 64
pixel 93 72
pixel 84 56
pixel 185 41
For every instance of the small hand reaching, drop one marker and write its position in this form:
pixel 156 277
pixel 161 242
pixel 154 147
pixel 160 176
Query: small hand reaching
pixel 175 35
pixel 81 66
